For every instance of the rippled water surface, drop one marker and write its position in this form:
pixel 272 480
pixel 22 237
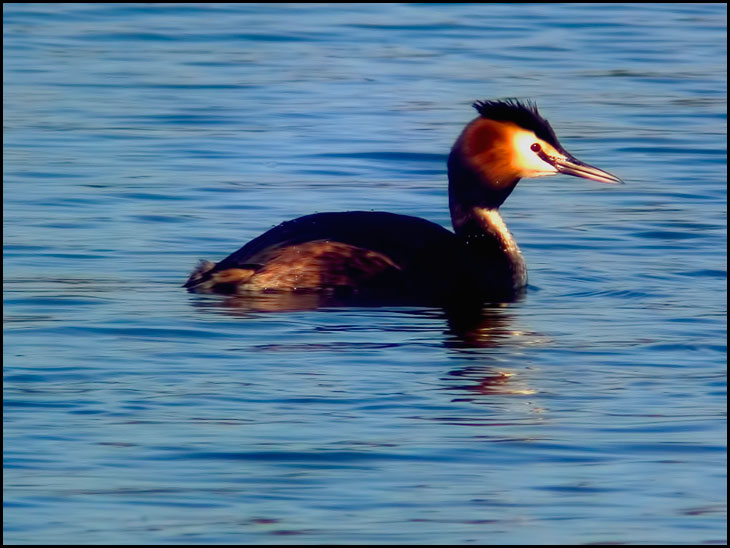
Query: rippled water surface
pixel 139 138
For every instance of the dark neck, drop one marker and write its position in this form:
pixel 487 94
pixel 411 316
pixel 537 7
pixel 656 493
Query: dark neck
pixel 474 203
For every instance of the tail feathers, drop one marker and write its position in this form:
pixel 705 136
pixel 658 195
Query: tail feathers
pixel 204 278
pixel 198 276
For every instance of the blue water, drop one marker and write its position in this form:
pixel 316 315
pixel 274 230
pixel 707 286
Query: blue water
pixel 139 138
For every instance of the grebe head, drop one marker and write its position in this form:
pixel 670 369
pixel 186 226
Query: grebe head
pixel 508 141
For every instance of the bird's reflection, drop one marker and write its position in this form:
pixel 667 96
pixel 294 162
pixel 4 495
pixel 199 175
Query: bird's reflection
pixel 468 327
pixel 486 381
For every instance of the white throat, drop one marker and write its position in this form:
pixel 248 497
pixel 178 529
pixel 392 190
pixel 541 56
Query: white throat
pixel 492 223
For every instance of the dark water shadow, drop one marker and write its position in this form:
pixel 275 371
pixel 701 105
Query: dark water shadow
pixel 470 329
pixel 467 324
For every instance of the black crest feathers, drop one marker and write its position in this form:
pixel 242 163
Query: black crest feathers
pixel 524 114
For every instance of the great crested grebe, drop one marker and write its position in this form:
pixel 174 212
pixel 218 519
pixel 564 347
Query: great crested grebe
pixel 367 252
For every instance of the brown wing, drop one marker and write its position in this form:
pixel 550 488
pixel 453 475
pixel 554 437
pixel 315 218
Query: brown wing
pixel 321 265
pixel 354 249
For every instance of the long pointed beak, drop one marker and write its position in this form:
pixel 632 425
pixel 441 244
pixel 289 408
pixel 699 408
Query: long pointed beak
pixel 571 166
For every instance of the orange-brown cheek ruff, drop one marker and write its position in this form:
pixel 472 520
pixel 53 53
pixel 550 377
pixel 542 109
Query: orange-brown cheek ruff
pixel 488 145
pixel 504 152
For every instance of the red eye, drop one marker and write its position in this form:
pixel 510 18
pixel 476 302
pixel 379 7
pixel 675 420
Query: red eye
pixel 536 147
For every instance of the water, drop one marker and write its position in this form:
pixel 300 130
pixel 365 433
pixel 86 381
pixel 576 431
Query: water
pixel 139 138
